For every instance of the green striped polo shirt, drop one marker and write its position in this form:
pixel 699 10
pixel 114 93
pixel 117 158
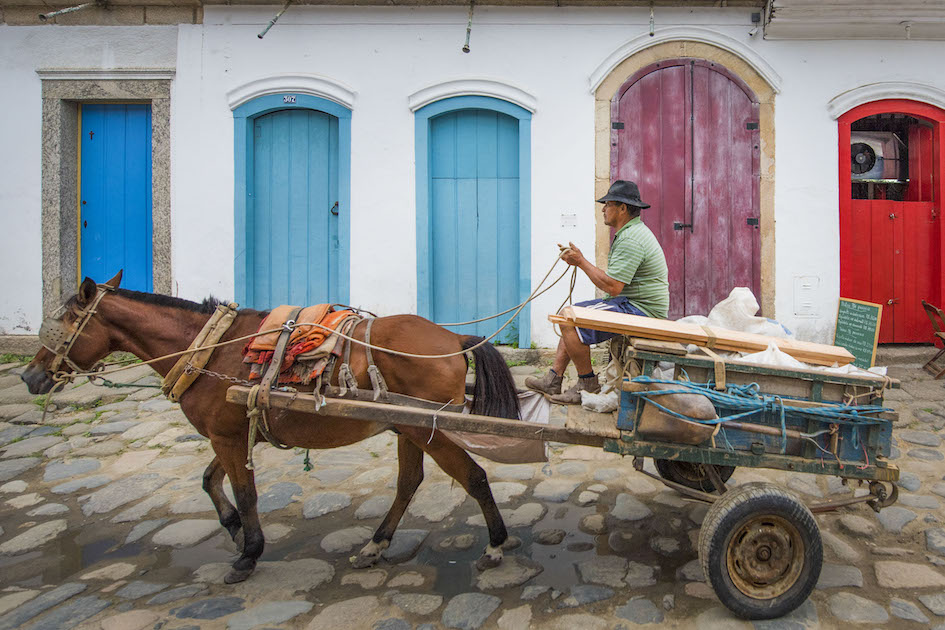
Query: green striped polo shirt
pixel 637 260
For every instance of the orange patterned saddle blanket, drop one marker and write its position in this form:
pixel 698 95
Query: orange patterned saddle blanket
pixel 312 345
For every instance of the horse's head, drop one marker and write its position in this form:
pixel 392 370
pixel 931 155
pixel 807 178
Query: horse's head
pixel 72 342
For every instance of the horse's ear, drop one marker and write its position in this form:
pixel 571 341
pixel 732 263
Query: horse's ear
pixel 114 282
pixel 87 291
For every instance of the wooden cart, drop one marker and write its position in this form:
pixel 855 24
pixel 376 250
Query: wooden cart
pixel 760 546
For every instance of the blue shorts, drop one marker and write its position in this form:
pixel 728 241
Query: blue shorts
pixel 618 304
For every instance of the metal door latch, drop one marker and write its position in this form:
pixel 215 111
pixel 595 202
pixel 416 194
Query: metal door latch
pixel 892 301
pixel 892 216
pixel 681 226
pixel 753 221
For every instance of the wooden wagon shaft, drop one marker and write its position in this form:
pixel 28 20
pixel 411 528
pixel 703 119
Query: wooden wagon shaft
pixel 415 417
pixel 718 338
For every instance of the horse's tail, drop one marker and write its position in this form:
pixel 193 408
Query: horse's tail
pixel 494 392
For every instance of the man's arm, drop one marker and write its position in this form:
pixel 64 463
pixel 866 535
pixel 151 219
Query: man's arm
pixel 598 276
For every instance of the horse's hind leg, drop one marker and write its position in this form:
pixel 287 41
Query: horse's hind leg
pixel 213 485
pixel 232 456
pixel 457 463
pixel 409 476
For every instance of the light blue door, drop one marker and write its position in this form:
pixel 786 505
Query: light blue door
pixel 115 194
pixel 474 213
pixel 292 238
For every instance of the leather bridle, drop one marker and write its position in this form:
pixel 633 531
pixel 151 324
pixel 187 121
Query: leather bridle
pixel 59 340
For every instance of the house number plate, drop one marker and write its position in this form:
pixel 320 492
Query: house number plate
pixel 288 98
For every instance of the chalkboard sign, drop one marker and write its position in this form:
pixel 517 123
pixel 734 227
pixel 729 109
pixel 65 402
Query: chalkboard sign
pixel 858 330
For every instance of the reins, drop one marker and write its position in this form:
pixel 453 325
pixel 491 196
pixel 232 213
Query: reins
pixel 102 369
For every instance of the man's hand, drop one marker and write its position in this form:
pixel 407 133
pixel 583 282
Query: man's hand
pixel 571 254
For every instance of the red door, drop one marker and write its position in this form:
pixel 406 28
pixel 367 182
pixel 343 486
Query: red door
pixel 890 234
pixel 686 130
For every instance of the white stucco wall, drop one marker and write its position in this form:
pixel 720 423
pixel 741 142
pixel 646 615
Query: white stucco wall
pixel 386 54
pixel 23 51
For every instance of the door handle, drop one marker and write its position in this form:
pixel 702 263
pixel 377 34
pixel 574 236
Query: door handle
pixel 892 301
pixel 892 216
pixel 334 209
pixel 681 226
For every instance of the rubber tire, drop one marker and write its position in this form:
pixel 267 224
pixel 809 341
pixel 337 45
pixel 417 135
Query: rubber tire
pixel 669 470
pixel 722 521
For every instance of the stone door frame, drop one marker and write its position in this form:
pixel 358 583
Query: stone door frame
pixel 62 93
pixel 698 48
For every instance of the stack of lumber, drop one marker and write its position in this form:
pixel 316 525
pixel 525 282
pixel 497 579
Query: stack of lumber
pixel 705 336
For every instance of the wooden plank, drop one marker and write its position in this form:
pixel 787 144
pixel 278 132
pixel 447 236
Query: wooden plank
pixel 734 341
pixel 586 422
pixel 720 457
pixel 862 380
pixel 652 345
pixel 335 409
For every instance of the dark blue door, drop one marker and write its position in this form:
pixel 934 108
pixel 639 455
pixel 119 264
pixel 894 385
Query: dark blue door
pixel 292 227
pixel 475 219
pixel 115 194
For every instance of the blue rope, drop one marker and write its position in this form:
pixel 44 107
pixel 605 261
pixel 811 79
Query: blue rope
pixel 746 401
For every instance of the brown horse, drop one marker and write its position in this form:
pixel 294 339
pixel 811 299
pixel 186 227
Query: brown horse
pixel 151 326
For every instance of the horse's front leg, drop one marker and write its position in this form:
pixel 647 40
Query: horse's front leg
pixel 213 486
pixel 409 476
pixel 457 463
pixel 232 455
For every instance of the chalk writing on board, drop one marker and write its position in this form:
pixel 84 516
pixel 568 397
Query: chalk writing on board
pixel 858 329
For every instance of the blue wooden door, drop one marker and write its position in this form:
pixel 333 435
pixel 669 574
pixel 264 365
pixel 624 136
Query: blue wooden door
pixel 292 225
pixel 115 194
pixel 475 219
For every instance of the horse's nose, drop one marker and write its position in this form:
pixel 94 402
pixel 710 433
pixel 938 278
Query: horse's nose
pixel 36 379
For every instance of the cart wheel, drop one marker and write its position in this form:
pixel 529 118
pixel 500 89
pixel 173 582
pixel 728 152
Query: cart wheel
pixel 761 551
pixel 691 475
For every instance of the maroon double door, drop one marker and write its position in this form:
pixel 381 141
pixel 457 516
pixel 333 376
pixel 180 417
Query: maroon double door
pixel 686 130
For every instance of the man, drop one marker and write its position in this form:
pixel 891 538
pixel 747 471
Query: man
pixel 636 282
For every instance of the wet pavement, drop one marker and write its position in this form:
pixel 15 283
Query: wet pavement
pixel 104 525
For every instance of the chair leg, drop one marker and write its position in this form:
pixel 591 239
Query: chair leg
pixel 932 366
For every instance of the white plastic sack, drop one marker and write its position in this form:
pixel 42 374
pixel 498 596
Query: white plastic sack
pixel 601 403
pixel 737 312
pixel 773 356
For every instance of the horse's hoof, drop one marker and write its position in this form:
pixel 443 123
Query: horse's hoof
pixel 486 562
pixel 364 561
pixel 237 575
pixel 369 554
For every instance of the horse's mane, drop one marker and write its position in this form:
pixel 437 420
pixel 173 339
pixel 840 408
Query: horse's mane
pixel 207 307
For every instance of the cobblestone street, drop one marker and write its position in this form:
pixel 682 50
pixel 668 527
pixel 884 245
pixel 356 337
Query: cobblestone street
pixel 103 524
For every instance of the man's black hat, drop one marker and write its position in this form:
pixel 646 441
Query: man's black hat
pixel 623 191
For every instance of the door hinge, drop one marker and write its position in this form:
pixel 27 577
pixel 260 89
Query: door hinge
pixel 681 226
pixel 616 125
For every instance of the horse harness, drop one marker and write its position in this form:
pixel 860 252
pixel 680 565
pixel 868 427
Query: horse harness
pixel 58 339
pixel 55 337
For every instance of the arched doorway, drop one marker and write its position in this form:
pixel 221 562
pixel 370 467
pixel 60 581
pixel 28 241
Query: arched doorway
pixel 473 205
pixel 687 131
pixel 292 192
pixel 891 189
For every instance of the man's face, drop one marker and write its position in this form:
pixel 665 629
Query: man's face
pixel 612 210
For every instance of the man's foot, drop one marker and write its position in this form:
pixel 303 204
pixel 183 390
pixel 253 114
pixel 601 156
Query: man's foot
pixel 573 395
pixel 549 383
